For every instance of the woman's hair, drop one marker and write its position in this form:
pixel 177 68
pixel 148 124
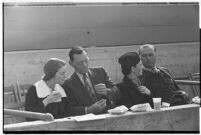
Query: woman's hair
pixel 128 60
pixel 51 68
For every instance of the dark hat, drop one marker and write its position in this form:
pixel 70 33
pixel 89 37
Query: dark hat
pixel 128 60
pixel 129 57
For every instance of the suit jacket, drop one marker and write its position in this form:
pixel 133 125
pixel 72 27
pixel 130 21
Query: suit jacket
pixel 163 85
pixel 78 95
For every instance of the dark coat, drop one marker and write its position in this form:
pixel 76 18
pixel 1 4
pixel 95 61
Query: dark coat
pixel 163 85
pixel 130 95
pixel 77 93
pixel 34 104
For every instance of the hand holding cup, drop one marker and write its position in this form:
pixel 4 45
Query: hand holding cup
pixel 55 96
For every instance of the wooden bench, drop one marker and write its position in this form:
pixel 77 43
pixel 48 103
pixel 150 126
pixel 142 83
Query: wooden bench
pixel 14 98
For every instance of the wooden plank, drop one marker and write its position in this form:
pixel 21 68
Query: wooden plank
pixel 192 88
pixel 116 36
pixel 9 97
pixel 56 27
pixel 177 118
pixel 87 16
pixel 181 77
pixel 28 114
pixel 14 105
pixel 187 82
pixel 177 57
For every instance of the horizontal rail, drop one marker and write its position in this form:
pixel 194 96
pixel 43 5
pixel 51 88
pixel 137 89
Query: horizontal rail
pixel 187 82
pixel 27 114
pixel 14 105
pixel 167 119
pixel 181 77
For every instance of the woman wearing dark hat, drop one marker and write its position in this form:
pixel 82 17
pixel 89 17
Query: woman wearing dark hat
pixel 131 87
pixel 47 95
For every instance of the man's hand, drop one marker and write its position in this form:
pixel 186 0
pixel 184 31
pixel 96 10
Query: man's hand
pixel 101 89
pixel 97 107
pixel 144 90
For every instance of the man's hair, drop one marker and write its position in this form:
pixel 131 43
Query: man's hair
pixel 128 60
pixel 76 50
pixel 147 46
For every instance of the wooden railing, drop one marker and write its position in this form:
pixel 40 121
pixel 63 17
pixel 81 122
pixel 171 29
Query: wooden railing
pixel 9 119
pixel 27 114
pixel 181 77
pixel 176 118
pixel 187 82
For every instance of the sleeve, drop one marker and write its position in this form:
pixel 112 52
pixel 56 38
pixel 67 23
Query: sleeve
pixel 65 109
pixel 74 109
pixel 32 102
pixel 168 72
pixel 114 93
pixel 125 97
pixel 108 81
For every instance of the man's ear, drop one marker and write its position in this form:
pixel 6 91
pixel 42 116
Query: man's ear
pixel 71 63
pixel 133 69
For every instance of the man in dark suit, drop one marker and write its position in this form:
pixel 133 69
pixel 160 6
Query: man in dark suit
pixel 159 80
pixel 90 90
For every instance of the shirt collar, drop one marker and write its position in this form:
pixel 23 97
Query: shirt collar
pixel 81 76
pixel 154 70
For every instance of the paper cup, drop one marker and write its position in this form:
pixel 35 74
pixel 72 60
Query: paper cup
pixel 100 86
pixel 59 99
pixel 157 103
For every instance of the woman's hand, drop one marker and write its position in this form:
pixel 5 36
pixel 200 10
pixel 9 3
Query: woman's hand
pixel 53 97
pixel 144 90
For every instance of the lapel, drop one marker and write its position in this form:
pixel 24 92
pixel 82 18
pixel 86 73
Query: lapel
pixel 92 77
pixel 79 90
pixel 164 71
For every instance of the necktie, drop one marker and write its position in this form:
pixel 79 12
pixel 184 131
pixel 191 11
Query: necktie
pixel 89 89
